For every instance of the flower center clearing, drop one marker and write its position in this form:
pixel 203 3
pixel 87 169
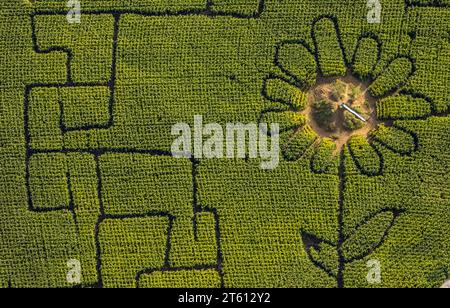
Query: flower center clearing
pixel 339 108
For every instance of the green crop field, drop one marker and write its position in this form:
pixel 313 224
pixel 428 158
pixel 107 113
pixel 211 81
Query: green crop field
pixel 88 181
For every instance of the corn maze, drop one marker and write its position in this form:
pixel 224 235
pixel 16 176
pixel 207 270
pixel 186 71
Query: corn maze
pixel 88 174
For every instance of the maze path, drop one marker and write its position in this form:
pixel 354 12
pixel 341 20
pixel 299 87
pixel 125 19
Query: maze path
pixel 39 136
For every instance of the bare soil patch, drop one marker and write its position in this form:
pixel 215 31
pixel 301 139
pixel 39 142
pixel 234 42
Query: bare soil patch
pixel 336 91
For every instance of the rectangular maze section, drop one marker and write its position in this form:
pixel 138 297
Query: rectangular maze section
pixel 428 3
pixel 239 7
pixel 144 6
pixel 180 278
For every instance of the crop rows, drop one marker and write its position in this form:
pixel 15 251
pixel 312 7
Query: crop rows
pixel 85 136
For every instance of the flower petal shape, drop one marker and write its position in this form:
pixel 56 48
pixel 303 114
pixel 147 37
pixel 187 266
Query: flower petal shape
pixel 395 139
pixel 366 57
pixel 288 120
pixel 324 159
pixel 368 236
pixel 321 252
pixel 403 107
pixel 280 91
pixel 394 76
pixel 297 61
pixel 328 47
pixel 295 145
pixel 366 158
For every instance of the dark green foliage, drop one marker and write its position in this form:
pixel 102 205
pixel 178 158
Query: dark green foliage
pixel 323 113
pixel 351 122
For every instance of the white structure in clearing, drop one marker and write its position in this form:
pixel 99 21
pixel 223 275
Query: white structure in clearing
pixel 344 106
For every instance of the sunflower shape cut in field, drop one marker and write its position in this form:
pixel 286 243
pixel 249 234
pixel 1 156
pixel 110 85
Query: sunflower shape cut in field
pixel 308 101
